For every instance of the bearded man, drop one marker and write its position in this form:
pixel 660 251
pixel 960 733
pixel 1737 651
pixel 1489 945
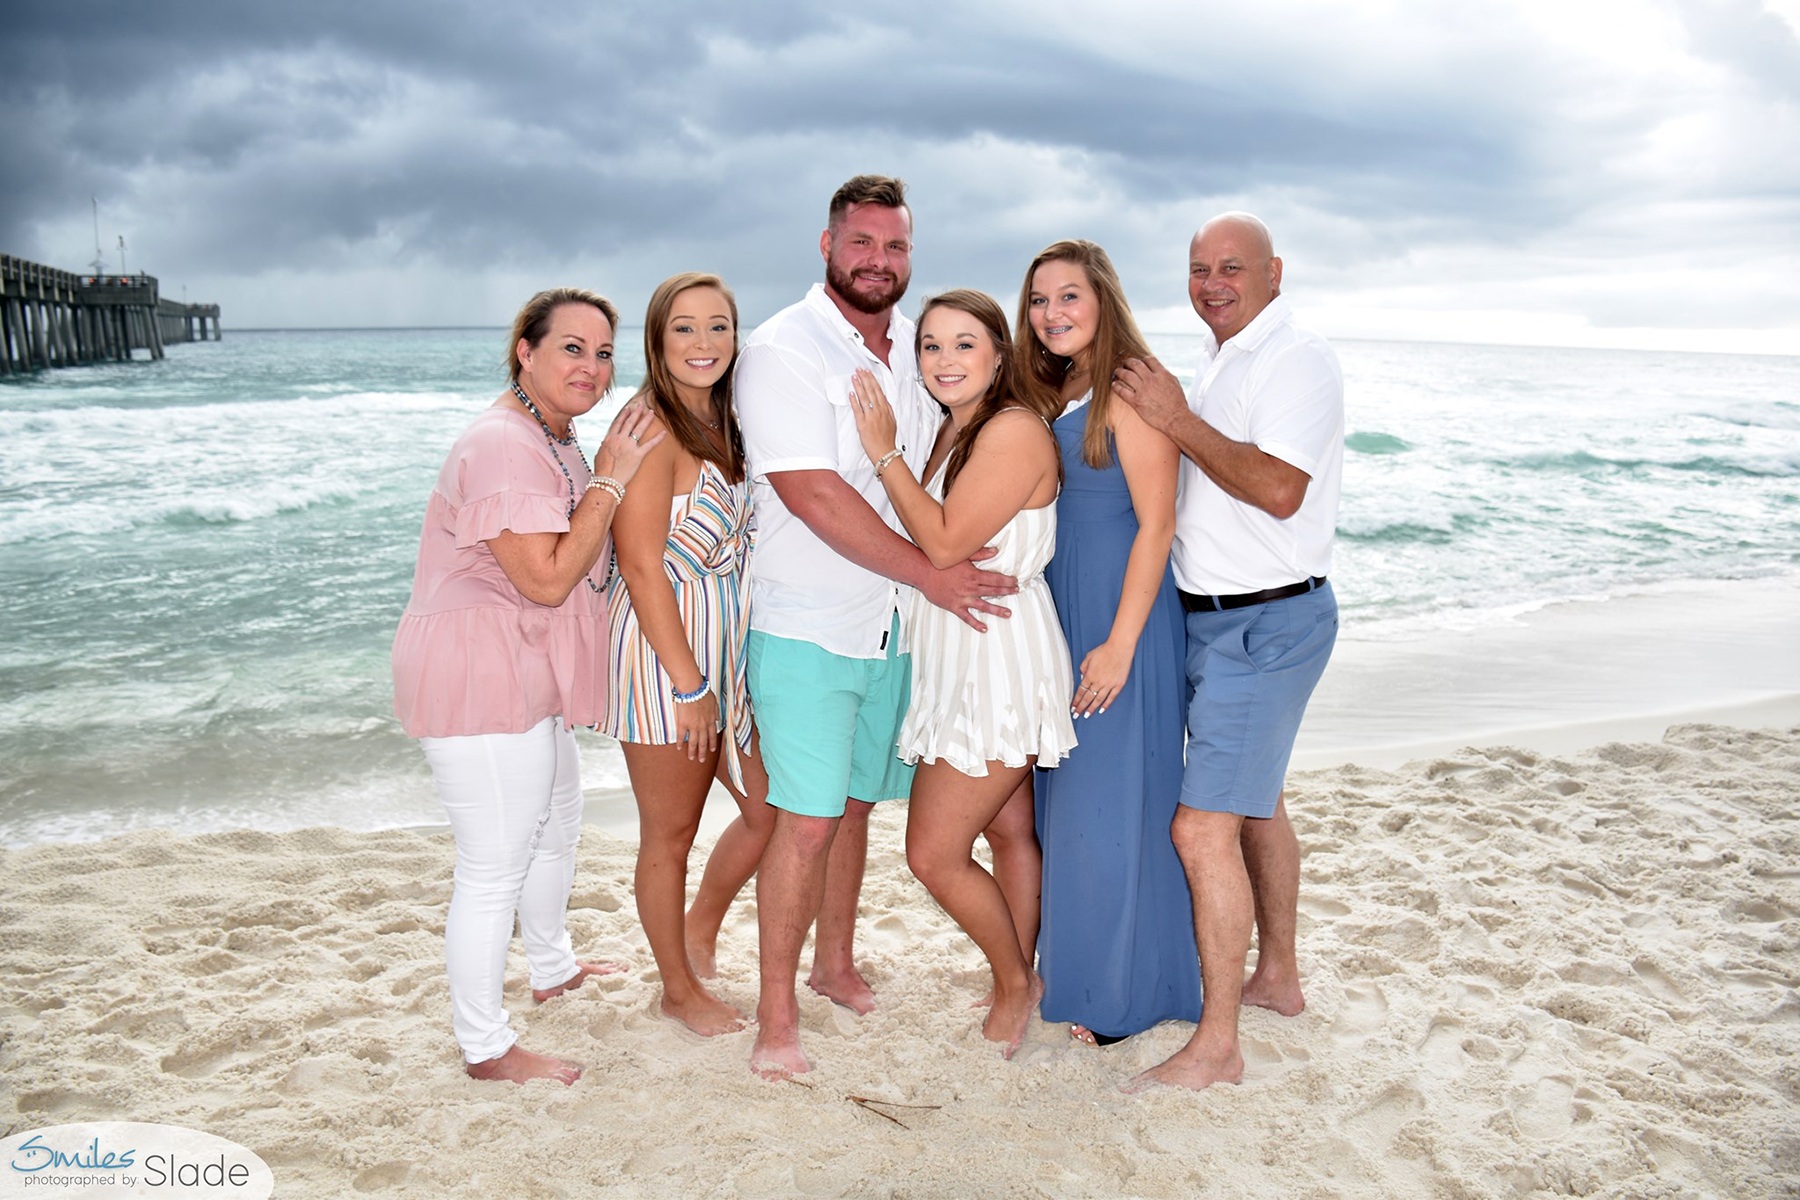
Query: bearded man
pixel 828 669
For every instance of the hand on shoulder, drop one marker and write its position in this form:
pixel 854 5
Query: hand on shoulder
pixel 1127 424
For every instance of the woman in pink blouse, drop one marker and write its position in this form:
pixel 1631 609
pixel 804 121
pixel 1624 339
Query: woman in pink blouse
pixel 503 648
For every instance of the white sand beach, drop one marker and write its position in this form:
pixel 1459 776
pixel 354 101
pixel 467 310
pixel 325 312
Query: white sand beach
pixel 1532 968
pixel 1526 974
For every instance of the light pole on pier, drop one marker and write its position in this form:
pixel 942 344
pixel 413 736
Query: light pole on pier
pixel 99 263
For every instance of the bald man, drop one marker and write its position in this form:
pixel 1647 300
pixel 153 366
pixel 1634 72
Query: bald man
pixel 1262 438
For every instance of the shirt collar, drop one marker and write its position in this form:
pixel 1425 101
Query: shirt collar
pixel 1248 339
pixel 817 298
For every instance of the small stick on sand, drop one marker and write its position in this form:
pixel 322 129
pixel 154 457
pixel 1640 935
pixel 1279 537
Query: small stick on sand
pixel 868 1103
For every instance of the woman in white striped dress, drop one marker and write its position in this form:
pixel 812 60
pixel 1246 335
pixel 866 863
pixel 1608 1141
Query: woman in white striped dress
pixel 986 705
pixel 678 703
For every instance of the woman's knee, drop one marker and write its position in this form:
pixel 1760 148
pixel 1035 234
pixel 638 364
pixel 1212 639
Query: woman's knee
pixel 759 819
pixel 668 838
pixel 933 861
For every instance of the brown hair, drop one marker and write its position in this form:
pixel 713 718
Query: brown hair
pixel 533 321
pixel 1002 393
pixel 866 189
pixel 659 392
pixel 1041 373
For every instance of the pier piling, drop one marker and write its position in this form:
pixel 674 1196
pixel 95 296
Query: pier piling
pixel 51 318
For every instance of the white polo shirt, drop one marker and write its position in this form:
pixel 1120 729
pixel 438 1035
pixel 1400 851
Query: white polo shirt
pixel 1276 385
pixel 792 391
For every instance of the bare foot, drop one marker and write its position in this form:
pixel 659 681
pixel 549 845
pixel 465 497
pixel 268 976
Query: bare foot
pixel 519 1064
pixel 704 1013
pixel 848 989
pixel 1083 1034
pixel 702 951
pixel 1281 994
pixel 1012 1016
pixel 582 971
pixel 777 1054
pixel 1190 1068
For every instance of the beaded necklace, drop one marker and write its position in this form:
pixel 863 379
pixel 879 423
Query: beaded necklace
pixel 554 443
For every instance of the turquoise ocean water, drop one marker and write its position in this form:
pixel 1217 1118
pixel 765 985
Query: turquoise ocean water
pixel 203 559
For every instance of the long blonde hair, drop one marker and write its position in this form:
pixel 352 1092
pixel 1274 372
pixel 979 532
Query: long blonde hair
pixel 1116 338
pixel 658 390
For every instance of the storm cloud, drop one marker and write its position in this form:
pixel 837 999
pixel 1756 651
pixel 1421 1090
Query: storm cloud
pixel 1491 171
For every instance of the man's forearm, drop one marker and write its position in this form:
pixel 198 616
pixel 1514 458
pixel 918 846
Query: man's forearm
pixel 843 520
pixel 1242 470
pixel 870 544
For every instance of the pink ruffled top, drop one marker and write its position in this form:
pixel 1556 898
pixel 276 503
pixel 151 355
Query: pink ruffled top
pixel 472 655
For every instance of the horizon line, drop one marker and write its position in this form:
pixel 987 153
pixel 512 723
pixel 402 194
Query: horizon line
pixel 1418 341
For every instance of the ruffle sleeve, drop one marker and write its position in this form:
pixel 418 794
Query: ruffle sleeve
pixel 472 655
pixel 500 477
pixel 521 512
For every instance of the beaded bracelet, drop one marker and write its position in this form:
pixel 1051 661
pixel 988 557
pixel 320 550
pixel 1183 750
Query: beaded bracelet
pixel 887 458
pixel 608 484
pixel 681 697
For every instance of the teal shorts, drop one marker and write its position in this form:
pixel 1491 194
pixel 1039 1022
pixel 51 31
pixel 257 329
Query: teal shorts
pixel 829 724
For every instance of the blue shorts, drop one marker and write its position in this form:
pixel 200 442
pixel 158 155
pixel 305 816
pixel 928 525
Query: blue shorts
pixel 828 724
pixel 1250 673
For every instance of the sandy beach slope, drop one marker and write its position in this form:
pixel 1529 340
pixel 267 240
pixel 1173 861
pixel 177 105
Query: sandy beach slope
pixel 1527 974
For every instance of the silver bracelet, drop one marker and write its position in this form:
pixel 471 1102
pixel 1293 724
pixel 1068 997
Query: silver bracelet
pixel 887 458
pixel 608 484
pixel 681 697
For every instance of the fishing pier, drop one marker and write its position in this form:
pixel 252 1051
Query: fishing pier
pixel 52 318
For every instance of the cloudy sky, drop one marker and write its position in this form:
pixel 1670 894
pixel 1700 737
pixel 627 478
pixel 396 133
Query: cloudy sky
pixel 1583 172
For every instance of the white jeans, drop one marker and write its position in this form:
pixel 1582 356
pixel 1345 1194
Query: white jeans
pixel 514 802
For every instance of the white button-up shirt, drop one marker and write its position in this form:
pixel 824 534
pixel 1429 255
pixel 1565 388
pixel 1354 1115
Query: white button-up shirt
pixel 792 391
pixel 1276 385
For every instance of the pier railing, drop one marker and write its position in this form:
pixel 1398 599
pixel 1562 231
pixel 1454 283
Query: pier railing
pixel 52 318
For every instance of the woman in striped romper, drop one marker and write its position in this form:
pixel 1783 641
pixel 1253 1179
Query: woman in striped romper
pixel 678 703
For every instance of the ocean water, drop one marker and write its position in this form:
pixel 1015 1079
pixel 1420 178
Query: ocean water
pixel 203 559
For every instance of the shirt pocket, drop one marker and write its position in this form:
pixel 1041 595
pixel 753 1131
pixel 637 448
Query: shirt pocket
pixel 851 458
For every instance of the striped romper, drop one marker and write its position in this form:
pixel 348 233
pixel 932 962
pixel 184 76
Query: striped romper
pixel 711 532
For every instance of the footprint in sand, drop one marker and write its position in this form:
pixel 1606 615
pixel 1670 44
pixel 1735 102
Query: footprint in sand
pixel 1441 1049
pixel 1264 1056
pixel 199 1063
pixel 1657 982
pixel 1391 1108
pixel 1544 1110
pixel 385 1177
pixel 1321 908
pixel 1759 912
pixel 1365 1010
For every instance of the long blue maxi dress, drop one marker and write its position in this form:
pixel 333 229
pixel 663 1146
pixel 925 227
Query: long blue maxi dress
pixel 1117 945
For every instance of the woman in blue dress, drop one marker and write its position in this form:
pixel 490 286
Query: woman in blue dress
pixel 1116 948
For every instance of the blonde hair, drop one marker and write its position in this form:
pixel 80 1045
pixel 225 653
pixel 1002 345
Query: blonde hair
pixel 1116 338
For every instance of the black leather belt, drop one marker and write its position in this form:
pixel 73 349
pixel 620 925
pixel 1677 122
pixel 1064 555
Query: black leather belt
pixel 1192 603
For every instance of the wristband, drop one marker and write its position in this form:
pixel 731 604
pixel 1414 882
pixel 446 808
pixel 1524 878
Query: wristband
pixel 887 458
pixel 608 484
pixel 681 697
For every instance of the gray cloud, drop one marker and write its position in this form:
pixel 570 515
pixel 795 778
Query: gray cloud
pixel 424 143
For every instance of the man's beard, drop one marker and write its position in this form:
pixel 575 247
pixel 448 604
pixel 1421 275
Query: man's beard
pixel 843 284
